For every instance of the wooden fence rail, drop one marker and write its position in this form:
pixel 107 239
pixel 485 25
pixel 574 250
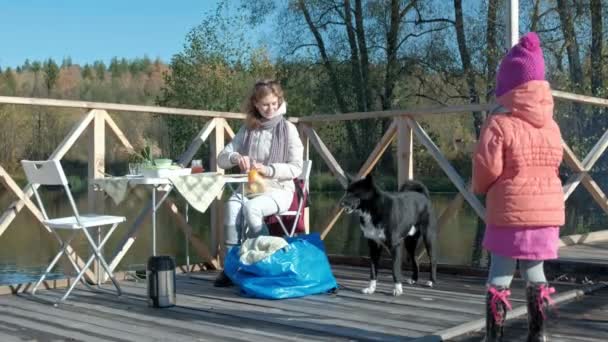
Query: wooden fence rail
pixel 404 127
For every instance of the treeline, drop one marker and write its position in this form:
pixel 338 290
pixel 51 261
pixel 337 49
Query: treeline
pixel 34 132
pixel 332 57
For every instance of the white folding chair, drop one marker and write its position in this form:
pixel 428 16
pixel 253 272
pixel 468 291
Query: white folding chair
pixel 304 176
pixel 50 172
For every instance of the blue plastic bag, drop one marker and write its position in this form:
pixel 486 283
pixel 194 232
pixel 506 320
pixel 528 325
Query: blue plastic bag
pixel 299 269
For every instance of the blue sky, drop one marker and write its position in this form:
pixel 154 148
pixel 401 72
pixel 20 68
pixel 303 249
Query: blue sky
pixel 92 30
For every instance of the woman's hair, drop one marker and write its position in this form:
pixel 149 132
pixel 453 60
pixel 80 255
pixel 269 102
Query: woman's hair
pixel 260 90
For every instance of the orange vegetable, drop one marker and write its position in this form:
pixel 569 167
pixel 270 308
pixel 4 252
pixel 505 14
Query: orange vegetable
pixel 252 176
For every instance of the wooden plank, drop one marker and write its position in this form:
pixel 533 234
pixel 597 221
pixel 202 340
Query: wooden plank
pixel 96 169
pixel 333 218
pixel 405 152
pixel 583 175
pixel 49 329
pixel 306 156
pixel 183 323
pixel 574 180
pixel 73 135
pixel 70 324
pixel 96 158
pixel 329 159
pixel 388 316
pixel 590 252
pixel 313 118
pixel 118 133
pixel 217 206
pixel 595 191
pixel 447 167
pixel 229 130
pixel 367 167
pixel 575 239
pixel 571 160
pixel 379 149
pixel 562 95
pixel 412 112
pixel 197 142
pixel 517 312
pixel 453 207
pixel 10 184
pixel 596 152
pixel 571 183
pixel 301 319
pixel 448 307
pixel 118 107
pixel 15 207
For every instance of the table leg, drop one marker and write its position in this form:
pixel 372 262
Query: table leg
pixel 187 243
pixel 154 221
pixel 243 223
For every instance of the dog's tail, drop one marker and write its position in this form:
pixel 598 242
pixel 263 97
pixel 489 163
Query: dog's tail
pixel 411 185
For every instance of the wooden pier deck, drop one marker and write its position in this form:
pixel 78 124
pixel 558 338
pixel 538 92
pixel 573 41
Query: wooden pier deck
pixel 582 320
pixel 589 253
pixel 204 313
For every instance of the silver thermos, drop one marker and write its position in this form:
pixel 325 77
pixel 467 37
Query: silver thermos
pixel 161 281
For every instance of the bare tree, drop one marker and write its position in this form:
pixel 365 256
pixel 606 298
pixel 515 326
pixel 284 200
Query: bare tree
pixel 467 68
pixel 492 47
pixel 597 30
pixel 564 9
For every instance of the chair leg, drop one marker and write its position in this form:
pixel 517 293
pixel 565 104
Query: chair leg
pixel 295 221
pixel 282 225
pixel 80 274
pixel 64 246
pixel 98 256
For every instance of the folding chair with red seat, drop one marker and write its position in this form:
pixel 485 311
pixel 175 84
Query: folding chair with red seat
pixel 294 217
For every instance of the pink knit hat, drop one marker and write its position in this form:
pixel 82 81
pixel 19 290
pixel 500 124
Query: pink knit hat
pixel 523 63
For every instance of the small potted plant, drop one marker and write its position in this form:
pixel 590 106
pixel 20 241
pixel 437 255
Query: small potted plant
pixel 141 156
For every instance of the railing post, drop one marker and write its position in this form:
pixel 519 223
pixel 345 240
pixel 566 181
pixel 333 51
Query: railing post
pixel 217 212
pixel 405 153
pixel 306 144
pixel 511 22
pixel 96 169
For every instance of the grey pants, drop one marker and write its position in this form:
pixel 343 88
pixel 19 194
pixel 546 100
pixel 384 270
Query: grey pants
pixel 502 269
pixel 252 211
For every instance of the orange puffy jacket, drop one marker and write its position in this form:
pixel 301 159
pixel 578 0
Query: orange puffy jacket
pixel 517 158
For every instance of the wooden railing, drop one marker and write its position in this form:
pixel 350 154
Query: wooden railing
pixel 404 128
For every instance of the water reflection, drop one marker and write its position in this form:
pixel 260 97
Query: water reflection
pixel 25 247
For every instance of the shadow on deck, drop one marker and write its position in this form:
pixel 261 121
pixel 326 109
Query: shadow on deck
pixel 204 313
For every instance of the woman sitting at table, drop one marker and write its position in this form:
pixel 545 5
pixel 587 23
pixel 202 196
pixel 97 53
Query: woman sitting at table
pixel 270 145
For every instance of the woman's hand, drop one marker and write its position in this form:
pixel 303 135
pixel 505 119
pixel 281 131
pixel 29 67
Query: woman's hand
pixel 260 168
pixel 244 163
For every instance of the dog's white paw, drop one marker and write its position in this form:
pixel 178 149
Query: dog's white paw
pixel 410 281
pixel 398 290
pixel 428 283
pixel 371 288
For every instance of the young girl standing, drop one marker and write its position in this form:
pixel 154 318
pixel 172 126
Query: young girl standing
pixel 271 145
pixel 516 164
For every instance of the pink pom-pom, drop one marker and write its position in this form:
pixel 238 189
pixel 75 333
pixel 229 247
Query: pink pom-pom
pixel 530 41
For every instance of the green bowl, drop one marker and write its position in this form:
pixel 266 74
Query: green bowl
pixel 163 162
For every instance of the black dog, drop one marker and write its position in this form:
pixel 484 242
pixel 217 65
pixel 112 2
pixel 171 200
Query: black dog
pixel 389 219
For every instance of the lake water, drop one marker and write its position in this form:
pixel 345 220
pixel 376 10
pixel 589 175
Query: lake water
pixel 25 247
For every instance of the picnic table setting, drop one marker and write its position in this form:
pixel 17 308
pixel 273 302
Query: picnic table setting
pixel 198 188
